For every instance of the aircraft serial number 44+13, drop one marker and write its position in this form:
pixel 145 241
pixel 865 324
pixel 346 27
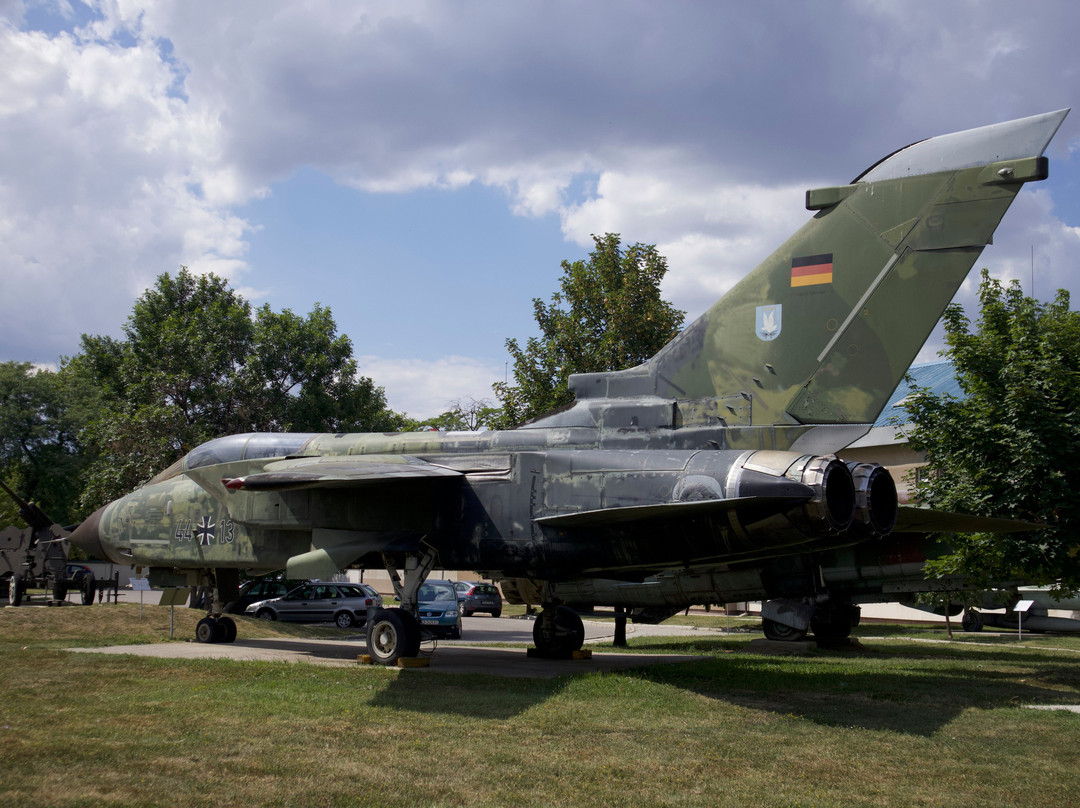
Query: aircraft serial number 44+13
pixel 706 474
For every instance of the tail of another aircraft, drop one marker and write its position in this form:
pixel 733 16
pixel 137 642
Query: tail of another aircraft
pixel 824 329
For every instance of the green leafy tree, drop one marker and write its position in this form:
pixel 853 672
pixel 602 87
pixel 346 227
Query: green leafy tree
pixel 1011 446
pixel 40 451
pixel 608 316
pixel 195 364
pixel 464 415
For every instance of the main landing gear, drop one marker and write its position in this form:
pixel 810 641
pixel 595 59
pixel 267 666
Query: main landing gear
pixel 558 631
pixel 217 627
pixel 790 620
pixel 395 633
pixel 392 634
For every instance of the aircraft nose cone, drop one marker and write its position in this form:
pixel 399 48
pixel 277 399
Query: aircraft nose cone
pixel 88 535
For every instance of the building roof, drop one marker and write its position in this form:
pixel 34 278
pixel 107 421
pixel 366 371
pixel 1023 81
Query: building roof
pixel 939 377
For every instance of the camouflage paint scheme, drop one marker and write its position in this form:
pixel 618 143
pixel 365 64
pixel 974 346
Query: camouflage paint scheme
pixel 705 474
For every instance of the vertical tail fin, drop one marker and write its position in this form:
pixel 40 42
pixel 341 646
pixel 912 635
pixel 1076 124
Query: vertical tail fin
pixel 824 329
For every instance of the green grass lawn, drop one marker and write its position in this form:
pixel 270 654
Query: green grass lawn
pixel 901 721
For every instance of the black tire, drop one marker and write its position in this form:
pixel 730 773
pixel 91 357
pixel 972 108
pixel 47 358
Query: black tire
pixel 391 635
pixel 455 632
pixel 781 633
pixel 266 614
pixel 497 613
pixel 971 621
pixel 563 635
pixel 834 624
pixel 466 614
pixel 228 626
pixel 59 590
pixel 17 590
pixel 88 586
pixel 344 620
pixel 209 630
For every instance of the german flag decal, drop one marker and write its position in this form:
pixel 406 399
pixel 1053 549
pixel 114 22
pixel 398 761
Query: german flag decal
pixel 811 270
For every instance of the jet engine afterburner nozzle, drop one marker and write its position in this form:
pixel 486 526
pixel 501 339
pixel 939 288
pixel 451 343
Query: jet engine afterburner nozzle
pixel 831 509
pixel 876 505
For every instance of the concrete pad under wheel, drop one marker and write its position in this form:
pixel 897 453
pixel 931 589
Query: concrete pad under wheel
pixel 457 659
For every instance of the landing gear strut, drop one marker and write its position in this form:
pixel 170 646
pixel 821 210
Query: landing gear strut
pixel 395 633
pixel 216 627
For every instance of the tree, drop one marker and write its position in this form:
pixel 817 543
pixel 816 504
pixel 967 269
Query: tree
pixel 1011 446
pixel 463 416
pixel 40 452
pixel 195 364
pixel 614 318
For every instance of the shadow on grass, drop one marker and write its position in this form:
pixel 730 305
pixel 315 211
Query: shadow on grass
pixel 913 690
pixel 468 695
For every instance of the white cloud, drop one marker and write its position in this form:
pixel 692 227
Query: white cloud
pixel 99 192
pixel 423 388
pixel 129 143
pixel 711 233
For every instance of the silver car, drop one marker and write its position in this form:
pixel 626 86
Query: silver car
pixel 343 604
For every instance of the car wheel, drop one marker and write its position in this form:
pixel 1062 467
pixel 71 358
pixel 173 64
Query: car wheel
pixel 497 613
pixel 971 621
pixel 344 620
pixel 455 632
pixel 266 614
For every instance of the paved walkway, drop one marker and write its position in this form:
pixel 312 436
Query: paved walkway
pixel 446 656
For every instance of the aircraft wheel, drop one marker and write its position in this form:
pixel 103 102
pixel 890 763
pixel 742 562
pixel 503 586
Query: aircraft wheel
pixel 266 614
pixel 228 626
pixel 971 621
pixel 59 590
pixel 17 590
pixel 209 630
pixel 344 620
pixel 781 633
pixel 560 634
pixel 833 623
pixel 88 586
pixel 392 634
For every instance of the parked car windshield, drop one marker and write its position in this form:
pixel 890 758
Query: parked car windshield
pixel 430 592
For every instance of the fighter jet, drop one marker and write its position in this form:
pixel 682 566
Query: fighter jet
pixel 709 470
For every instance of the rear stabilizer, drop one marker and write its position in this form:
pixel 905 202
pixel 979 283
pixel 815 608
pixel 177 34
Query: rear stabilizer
pixel 823 330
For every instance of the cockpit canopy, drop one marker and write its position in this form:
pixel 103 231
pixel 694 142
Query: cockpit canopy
pixel 249 446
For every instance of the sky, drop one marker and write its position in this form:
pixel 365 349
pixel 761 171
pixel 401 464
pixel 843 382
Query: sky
pixel 423 167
